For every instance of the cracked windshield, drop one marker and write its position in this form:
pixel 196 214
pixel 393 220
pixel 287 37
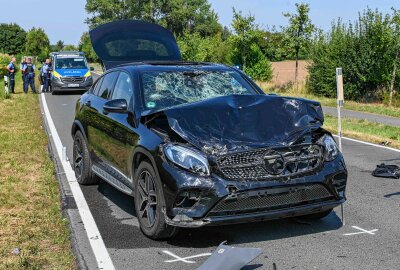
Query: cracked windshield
pixel 167 89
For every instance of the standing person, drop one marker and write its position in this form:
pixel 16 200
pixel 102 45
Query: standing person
pixel 46 75
pixel 21 67
pixel 11 74
pixel 29 71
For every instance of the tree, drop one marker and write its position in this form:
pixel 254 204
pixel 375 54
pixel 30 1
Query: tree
pixel 299 32
pixel 85 45
pixel 37 43
pixel 12 38
pixel 70 47
pixel 59 45
pixel 176 15
pixel 396 44
pixel 246 51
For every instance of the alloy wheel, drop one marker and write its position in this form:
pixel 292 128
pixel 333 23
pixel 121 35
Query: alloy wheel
pixel 147 198
pixel 78 157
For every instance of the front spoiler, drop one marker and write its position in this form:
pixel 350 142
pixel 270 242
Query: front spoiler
pixel 187 222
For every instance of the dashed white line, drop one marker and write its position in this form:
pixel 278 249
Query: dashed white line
pixel 103 258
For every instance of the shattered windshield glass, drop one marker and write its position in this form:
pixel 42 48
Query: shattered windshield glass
pixel 162 89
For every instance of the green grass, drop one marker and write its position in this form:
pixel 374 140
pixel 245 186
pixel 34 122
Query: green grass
pixel 365 130
pixel 30 211
pixel 376 108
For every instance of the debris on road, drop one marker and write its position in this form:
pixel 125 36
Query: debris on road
pixel 230 258
pixel 387 171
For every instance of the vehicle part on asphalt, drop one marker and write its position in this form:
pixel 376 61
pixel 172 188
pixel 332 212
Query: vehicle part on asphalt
pixel 230 258
pixel 387 171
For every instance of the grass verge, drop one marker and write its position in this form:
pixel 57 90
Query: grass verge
pixel 377 108
pixel 33 233
pixel 365 130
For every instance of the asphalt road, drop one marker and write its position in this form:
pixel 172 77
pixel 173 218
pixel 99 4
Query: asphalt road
pixel 373 204
pixel 382 119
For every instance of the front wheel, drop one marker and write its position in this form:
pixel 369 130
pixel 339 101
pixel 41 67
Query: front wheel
pixel 149 201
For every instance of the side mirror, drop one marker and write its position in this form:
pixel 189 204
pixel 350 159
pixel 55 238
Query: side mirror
pixel 116 106
pixel 91 68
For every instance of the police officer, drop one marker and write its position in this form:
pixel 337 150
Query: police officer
pixel 11 74
pixel 21 68
pixel 46 73
pixel 29 71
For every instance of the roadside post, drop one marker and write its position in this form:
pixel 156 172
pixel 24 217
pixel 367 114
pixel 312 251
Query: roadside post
pixel 340 102
pixel 6 86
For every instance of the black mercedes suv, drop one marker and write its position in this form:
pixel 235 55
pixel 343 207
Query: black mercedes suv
pixel 199 144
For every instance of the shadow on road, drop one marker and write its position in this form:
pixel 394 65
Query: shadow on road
pixel 123 232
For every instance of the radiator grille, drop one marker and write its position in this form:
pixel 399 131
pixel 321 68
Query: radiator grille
pixel 72 79
pixel 272 199
pixel 271 163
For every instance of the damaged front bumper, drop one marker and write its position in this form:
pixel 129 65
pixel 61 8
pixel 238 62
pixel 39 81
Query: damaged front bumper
pixel 196 201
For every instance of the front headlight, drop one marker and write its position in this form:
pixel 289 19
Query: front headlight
pixel 187 158
pixel 331 149
pixel 88 78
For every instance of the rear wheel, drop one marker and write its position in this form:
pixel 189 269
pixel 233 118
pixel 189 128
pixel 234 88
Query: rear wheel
pixel 82 162
pixel 149 201
pixel 317 216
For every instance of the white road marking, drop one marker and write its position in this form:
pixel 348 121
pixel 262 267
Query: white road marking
pixel 370 144
pixel 96 241
pixel 361 231
pixel 185 259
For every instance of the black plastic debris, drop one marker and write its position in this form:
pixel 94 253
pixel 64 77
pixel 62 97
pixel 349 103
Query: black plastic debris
pixel 230 258
pixel 387 171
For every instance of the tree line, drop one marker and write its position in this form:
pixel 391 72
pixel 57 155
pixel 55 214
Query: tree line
pixel 367 49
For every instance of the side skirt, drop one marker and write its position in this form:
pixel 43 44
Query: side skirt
pixel 111 180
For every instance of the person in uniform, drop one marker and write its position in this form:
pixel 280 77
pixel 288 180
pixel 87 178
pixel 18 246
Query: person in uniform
pixel 29 71
pixel 46 68
pixel 11 74
pixel 21 67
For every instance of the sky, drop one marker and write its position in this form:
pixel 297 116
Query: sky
pixel 64 20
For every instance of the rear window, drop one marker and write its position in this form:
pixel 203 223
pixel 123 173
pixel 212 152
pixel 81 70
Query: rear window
pixel 136 48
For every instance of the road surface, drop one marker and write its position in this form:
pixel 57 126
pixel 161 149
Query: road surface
pixel 373 208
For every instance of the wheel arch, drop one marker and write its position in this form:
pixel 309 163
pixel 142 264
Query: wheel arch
pixel 139 155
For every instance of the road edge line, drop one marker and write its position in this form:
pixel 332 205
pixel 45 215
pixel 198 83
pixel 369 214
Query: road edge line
pixel 96 242
pixel 368 143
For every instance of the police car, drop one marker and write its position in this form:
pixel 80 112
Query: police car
pixel 70 72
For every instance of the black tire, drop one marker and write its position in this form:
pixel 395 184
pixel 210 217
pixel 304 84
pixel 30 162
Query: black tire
pixel 81 161
pixel 317 216
pixel 149 200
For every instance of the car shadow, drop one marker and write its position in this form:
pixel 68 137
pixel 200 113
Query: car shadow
pixel 204 237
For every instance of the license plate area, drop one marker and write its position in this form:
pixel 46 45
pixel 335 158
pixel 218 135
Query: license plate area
pixel 73 85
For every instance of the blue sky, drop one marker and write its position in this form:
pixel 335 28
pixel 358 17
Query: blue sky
pixel 64 20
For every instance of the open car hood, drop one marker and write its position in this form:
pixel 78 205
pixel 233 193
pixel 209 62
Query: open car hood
pixel 239 122
pixel 127 41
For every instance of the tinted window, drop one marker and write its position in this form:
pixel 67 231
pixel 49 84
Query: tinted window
pixel 96 87
pixel 123 88
pixel 107 84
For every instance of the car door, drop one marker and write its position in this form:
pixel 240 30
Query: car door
pixel 99 127
pixel 123 136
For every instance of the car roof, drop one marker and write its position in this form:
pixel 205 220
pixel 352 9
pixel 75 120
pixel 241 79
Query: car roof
pixel 170 66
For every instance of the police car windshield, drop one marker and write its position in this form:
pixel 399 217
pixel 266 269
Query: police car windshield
pixel 71 63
